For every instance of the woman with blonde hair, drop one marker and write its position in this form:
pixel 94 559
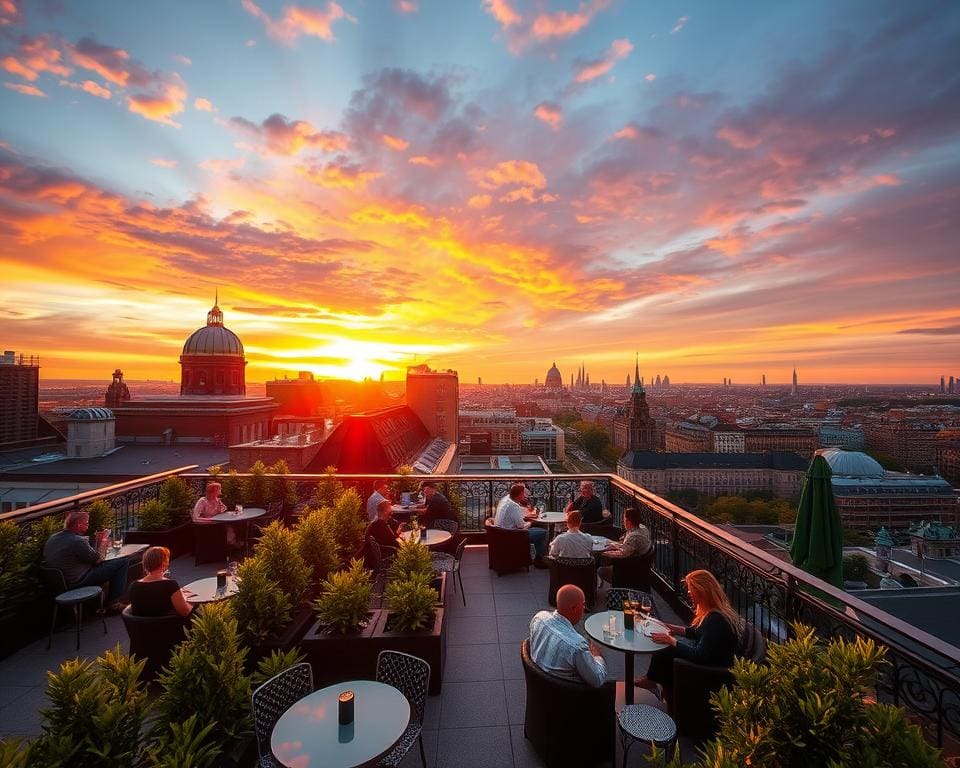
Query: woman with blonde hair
pixel 711 639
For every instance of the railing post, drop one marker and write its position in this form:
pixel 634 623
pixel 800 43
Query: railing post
pixel 675 544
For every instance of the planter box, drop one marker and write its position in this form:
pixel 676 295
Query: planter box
pixel 26 618
pixel 241 754
pixel 428 644
pixel 439 583
pixel 336 658
pixel 178 540
pixel 291 636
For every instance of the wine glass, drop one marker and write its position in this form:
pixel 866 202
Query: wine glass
pixel 646 605
pixel 117 545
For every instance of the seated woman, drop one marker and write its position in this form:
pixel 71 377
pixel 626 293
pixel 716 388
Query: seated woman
pixel 635 541
pixel 209 505
pixel 711 639
pixel 154 594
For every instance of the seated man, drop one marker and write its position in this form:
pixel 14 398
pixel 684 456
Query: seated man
pixel 384 530
pixel 513 512
pixel 436 506
pixel 556 647
pixel 588 505
pixel 70 551
pixel 573 543
pixel 635 541
pixel 381 491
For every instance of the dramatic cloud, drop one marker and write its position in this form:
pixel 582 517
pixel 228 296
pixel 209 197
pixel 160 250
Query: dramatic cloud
pixel 394 142
pixel 298 21
pixel 26 90
pixel 550 113
pixel 34 56
pixel 280 136
pixel 591 70
pixel 562 24
pixel 504 13
pixel 540 26
pixel 339 173
pixel 161 101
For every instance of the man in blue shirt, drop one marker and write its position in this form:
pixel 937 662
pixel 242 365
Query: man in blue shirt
pixel 557 648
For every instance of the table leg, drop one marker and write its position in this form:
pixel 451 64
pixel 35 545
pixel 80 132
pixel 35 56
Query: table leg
pixel 628 678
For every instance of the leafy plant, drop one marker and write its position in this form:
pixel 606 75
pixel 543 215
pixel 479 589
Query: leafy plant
pixel 279 551
pixel 14 569
pixel 855 567
pixel 205 676
pixel 282 488
pixel 406 483
pixel 153 516
pixel 14 753
pixel 345 599
pixel 231 490
pixel 328 488
pixel 345 523
pixel 277 662
pixel 412 602
pixel 183 744
pixel 177 498
pixel 807 706
pixel 40 530
pixel 95 713
pixel 260 605
pixel 256 487
pixel 101 516
pixel 316 543
pixel 412 558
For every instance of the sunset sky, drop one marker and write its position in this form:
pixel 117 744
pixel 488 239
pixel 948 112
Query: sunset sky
pixel 727 188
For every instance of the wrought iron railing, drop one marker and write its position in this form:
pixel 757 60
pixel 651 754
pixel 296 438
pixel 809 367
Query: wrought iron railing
pixel 922 673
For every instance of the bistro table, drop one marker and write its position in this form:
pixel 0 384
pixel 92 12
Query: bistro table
pixel 630 641
pixel 207 591
pixel 600 544
pixel 309 733
pixel 127 550
pixel 403 511
pixel 248 514
pixel 550 520
pixel 434 537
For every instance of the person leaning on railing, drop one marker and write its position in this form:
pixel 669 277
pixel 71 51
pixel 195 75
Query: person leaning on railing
pixel 711 639
pixel 635 541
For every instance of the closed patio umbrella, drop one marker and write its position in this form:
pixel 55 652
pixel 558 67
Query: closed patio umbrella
pixel 818 537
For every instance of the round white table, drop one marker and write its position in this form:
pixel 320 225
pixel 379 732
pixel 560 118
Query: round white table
pixel 127 550
pixel 600 543
pixel 434 537
pixel 309 733
pixel 550 520
pixel 232 517
pixel 630 641
pixel 206 590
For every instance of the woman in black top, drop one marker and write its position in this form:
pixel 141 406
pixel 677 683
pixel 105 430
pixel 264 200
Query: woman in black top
pixel 155 595
pixel 711 639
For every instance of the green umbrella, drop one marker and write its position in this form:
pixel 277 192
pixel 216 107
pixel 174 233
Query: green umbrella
pixel 818 537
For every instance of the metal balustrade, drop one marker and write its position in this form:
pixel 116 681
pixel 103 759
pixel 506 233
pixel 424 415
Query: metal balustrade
pixel 922 672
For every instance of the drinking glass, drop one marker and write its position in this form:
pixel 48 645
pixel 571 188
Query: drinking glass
pixel 117 545
pixel 613 627
pixel 628 614
pixel 645 604
pixel 239 509
pixel 232 568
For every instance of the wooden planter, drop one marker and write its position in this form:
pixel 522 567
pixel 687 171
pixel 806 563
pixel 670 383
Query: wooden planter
pixel 290 636
pixel 336 658
pixel 179 540
pixel 428 644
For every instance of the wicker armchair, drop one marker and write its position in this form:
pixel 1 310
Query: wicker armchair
pixel 153 638
pixel 411 676
pixel 581 571
pixel 272 699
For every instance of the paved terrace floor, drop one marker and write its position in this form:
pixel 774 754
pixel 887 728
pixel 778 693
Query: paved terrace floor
pixel 476 722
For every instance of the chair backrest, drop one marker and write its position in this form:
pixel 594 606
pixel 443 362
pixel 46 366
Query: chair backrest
pixel 153 638
pixel 442 524
pixel 275 697
pixel 408 674
pixel 53 579
pixel 633 572
pixel 274 508
pixel 458 555
pixel 617 595
pixel 580 571
pixel 752 645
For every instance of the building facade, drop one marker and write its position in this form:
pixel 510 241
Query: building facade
pixel 212 361
pixel 541 437
pixel 500 429
pixel 19 398
pixel 911 444
pixel 947 455
pixel 435 397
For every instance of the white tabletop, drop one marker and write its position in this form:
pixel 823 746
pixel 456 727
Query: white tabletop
pixel 600 543
pixel 549 518
pixel 205 590
pixel 405 509
pixel 629 640
pixel 125 551
pixel 232 517
pixel 434 537
pixel 310 734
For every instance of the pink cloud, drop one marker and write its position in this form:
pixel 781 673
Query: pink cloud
pixel 95 89
pixel 628 131
pixel 163 162
pixel 394 142
pixel 591 70
pixel 423 160
pixel 504 13
pixel 479 202
pixel 112 64
pixel 9 13
pixel 737 138
pixel 298 20
pixel 26 90
pixel 203 105
pixel 220 166
pixel 339 173
pixel 550 113
pixel 406 6
pixel 280 136
pixel 181 59
pixel 35 56
pixel 681 23
pixel 160 102
pixel 563 24
pixel 650 77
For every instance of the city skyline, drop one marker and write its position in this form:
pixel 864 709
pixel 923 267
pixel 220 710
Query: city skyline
pixel 732 191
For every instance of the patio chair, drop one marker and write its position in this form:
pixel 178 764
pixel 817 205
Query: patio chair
pixel 693 684
pixel 274 512
pixel 632 572
pixel 442 562
pixel 507 549
pixel 153 638
pixel 378 558
pixel 581 571
pixel 56 584
pixel 569 724
pixel 272 699
pixel 617 595
pixel 411 676
pixel 209 543
pixel 452 527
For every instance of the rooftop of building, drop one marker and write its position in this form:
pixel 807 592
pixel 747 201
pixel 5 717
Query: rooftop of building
pixel 126 461
pixel 780 460
pixel 506 465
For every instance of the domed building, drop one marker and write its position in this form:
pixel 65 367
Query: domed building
pixel 212 362
pixel 554 380
pixel 90 432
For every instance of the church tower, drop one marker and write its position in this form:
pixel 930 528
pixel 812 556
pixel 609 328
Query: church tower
pixel 642 430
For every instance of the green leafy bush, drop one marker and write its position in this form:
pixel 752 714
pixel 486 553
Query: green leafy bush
pixel 345 599
pixel 412 602
pixel 95 713
pixel 316 543
pixel 279 551
pixel 275 663
pixel 153 516
pixel 205 676
pixel 177 498
pixel 412 558
pixel 14 568
pixel 855 567
pixel 282 488
pixel 40 531
pixel 256 487
pixel 14 753
pixel 101 516
pixel 328 489
pixel 260 605
pixel 231 490
pixel 406 483
pixel 183 744
pixel 345 523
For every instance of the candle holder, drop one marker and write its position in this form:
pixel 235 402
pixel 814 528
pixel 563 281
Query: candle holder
pixel 221 579
pixel 345 707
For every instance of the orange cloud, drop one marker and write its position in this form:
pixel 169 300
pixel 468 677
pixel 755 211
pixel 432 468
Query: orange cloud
pixel 510 172
pixel 203 105
pixel 628 131
pixel 165 101
pixel 112 64
pixel 26 90
pixel 563 24
pixel 479 202
pixel 338 174
pixel 394 142
pixel 220 166
pixel 95 89
pixel 280 136
pixel 9 13
pixel 423 160
pixel 297 21
pixel 591 70
pixel 503 12
pixel 549 113
pixel 164 163
pixel 35 56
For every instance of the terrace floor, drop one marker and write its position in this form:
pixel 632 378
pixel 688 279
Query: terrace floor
pixel 476 722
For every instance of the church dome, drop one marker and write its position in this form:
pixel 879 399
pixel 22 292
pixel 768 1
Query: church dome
pixel 851 463
pixel 554 379
pixel 214 338
pixel 91 414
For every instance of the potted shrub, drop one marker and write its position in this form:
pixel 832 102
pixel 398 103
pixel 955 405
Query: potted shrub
pixel 282 488
pixel 328 488
pixel 180 744
pixel 316 544
pixel 157 526
pixel 177 498
pixel 413 623
pixel 263 614
pixel 414 558
pixel 279 551
pixel 339 645
pixel 256 487
pixel 101 519
pixel 231 488
pixel 346 524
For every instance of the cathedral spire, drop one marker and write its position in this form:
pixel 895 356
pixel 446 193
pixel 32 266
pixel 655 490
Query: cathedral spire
pixel 637 381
